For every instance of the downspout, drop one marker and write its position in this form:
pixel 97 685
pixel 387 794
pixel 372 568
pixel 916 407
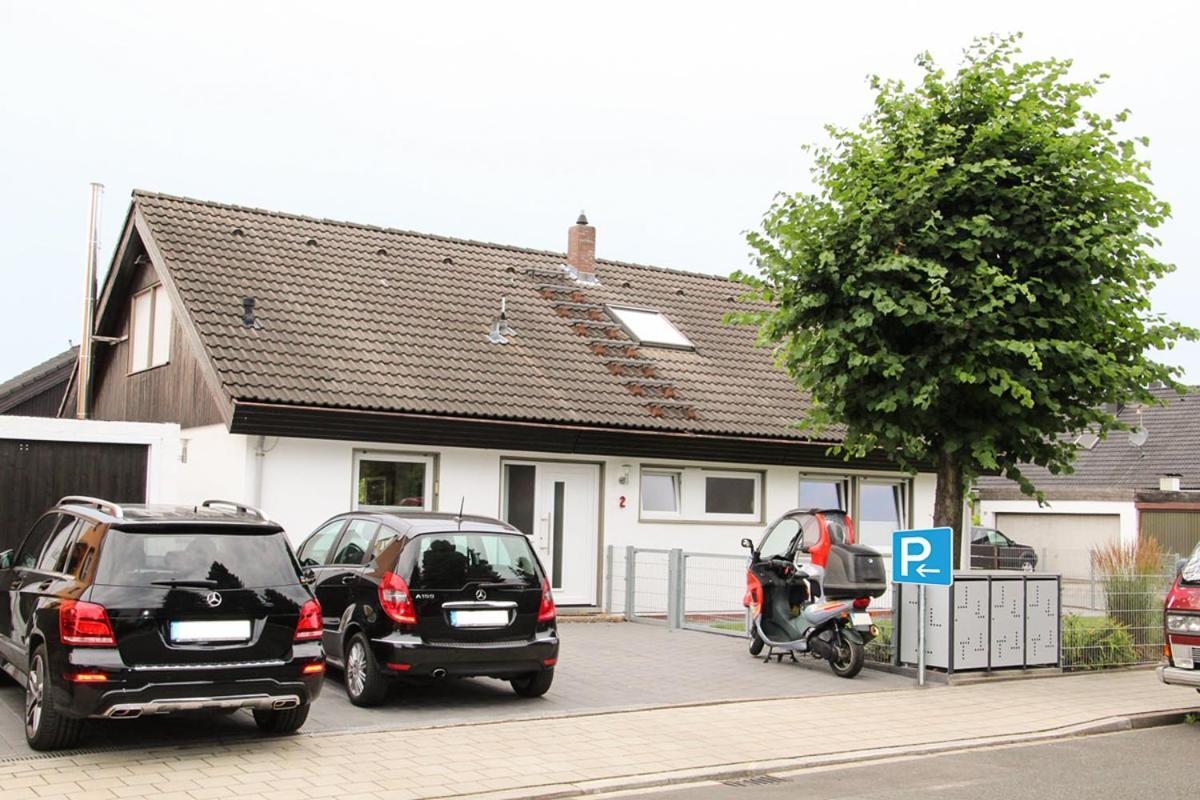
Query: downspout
pixel 83 390
pixel 260 456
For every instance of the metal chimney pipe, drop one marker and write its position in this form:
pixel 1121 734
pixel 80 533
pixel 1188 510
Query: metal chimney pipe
pixel 84 384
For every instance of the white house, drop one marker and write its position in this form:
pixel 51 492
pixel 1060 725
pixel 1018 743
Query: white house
pixel 318 366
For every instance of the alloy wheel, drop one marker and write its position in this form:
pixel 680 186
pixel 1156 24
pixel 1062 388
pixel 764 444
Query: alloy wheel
pixel 34 696
pixel 356 669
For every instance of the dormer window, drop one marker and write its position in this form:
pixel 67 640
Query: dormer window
pixel 149 329
pixel 650 328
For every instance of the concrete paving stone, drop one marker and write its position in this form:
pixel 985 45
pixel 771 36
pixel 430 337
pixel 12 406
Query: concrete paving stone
pixel 61 787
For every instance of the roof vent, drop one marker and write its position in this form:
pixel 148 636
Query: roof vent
pixel 381 251
pixel 311 242
pixel 238 232
pixel 249 318
pixel 501 330
pixel 447 260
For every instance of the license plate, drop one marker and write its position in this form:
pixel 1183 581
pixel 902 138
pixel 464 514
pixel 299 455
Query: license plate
pixel 211 630
pixel 861 619
pixel 486 618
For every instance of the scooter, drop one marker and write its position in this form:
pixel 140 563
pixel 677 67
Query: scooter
pixel 804 555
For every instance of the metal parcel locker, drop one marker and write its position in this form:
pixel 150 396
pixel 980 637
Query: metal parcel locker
pixel 984 621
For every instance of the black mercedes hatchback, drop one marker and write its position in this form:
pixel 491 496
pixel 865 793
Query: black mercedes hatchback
pixel 117 612
pixel 424 596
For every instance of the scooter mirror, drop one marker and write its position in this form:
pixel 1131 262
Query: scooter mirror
pixel 746 543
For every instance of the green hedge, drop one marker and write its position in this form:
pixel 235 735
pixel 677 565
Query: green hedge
pixel 1096 643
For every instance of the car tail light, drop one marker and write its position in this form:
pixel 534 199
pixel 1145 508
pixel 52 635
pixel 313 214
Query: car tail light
pixel 309 626
pixel 84 623
pixel 397 600
pixel 547 612
pixel 754 594
pixel 86 677
pixel 862 602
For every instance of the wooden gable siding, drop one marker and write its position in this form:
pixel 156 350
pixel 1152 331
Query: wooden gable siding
pixel 173 392
pixel 43 404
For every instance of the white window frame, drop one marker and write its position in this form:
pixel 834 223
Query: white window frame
pixel 903 512
pixel 842 481
pixel 408 458
pixel 614 311
pixel 154 345
pixel 677 474
pixel 757 477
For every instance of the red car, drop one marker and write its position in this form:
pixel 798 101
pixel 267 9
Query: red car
pixel 1182 621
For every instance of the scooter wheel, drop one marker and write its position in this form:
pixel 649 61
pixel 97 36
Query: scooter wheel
pixel 847 658
pixel 756 644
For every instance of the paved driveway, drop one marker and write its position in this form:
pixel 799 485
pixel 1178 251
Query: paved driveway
pixel 602 667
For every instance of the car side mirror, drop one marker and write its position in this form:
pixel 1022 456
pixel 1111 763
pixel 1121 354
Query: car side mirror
pixel 309 574
pixel 6 559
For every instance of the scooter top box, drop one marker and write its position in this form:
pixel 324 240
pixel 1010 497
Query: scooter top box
pixel 853 571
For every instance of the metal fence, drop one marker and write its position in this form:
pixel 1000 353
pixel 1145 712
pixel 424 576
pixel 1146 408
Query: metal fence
pixel 1108 620
pixel 699 591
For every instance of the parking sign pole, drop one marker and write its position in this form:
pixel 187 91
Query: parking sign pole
pixel 920 634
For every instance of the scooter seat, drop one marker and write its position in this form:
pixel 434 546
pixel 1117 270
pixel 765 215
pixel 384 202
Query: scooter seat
pixel 823 612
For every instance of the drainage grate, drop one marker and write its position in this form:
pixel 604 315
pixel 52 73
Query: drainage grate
pixel 758 780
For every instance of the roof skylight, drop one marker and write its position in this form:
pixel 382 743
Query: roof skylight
pixel 649 327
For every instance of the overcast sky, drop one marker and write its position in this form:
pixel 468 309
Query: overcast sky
pixel 672 124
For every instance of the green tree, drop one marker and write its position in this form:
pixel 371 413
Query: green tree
pixel 968 285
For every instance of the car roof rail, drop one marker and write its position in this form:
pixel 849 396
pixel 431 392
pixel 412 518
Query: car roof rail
pixel 242 508
pixel 104 505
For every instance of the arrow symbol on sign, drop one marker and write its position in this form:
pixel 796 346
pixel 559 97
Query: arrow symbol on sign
pixel 923 570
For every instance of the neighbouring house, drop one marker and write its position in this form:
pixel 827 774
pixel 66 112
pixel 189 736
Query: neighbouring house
pixel 1141 483
pixel 38 391
pixel 317 366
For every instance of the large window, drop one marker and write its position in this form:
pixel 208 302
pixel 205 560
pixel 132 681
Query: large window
pixel 660 493
pixel 882 510
pixel 150 329
pixel 385 481
pixel 692 494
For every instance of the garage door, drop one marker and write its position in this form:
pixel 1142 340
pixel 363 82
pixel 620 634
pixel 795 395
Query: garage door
pixel 1064 542
pixel 1177 531
pixel 35 474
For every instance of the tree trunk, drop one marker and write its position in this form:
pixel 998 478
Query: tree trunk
pixel 948 499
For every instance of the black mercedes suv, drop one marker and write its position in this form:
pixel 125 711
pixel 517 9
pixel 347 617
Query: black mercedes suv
pixel 118 612
pixel 422 596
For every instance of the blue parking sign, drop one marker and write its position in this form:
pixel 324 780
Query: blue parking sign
pixel 924 556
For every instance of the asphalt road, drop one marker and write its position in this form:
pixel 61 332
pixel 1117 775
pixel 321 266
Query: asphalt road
pixel 1157 763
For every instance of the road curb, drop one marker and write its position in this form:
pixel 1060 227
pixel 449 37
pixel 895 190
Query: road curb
pixel 728 772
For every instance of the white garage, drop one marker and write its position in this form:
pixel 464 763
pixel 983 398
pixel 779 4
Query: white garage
pixel 1064 542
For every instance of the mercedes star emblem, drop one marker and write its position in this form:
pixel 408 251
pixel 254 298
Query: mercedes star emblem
pixel 480 594
pixel 213 599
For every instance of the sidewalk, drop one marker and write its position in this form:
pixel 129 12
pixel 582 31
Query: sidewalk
pixel 588 754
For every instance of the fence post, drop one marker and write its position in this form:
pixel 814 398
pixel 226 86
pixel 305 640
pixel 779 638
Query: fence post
pixel 674 559
pixel 630 577
pixel 608 578
pixel 1092 582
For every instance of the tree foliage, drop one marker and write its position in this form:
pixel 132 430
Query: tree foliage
pixel 969 283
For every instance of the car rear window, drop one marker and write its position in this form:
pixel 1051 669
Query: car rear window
pixel 218 560
pixel 452 560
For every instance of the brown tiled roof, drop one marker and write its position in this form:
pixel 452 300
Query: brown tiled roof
pixel 370 318
pixel 1172 445
pixel 50 372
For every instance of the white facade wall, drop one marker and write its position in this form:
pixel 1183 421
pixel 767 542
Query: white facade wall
pixel 305 481
pixel 1125 509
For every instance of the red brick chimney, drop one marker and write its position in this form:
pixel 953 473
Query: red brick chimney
pixel 581 248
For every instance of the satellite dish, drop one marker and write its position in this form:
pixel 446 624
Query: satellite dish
pixel 1138 436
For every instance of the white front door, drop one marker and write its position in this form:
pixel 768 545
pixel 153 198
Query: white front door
pixel 562 520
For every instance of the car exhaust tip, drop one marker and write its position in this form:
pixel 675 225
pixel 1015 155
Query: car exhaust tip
pixel 439 673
